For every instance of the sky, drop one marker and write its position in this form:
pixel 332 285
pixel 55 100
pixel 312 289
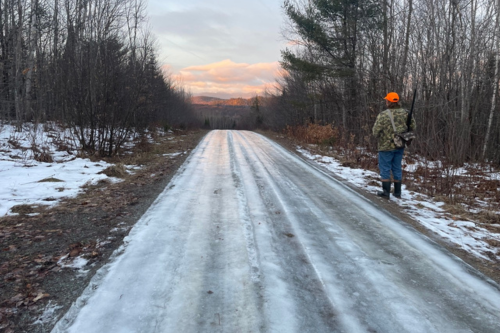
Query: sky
pixel 219 48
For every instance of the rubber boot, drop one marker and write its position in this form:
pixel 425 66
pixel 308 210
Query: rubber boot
pixel 386 190
pixel 397 189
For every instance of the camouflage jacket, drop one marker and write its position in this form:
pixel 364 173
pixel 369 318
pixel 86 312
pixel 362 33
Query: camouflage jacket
pixel 383 130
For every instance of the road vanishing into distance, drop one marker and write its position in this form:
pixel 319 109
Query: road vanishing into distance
pixel 248 237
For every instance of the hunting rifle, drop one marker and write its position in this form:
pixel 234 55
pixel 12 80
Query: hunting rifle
pixel 408 121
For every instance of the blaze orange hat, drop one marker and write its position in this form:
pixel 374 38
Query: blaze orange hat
pixel 392 97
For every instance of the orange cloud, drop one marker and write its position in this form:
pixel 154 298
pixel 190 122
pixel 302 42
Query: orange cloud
pixel 295 42
pixel 229 78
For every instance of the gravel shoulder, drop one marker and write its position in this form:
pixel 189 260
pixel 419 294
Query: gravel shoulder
pixel 40 254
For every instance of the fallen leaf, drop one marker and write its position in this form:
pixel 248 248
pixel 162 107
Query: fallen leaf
pixel 40 296
pixel 39 238
pixel 17 298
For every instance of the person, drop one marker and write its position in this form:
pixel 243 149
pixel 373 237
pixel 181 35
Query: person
pixel 389 156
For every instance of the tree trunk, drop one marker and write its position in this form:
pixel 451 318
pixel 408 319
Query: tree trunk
pixel 495 80
pixel 406 47
pixel 385 57
pixel 17 68
pixel 30 65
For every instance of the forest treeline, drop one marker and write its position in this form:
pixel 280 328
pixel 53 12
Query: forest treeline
pixel 87 64
pixel 205 100
pixel 346 55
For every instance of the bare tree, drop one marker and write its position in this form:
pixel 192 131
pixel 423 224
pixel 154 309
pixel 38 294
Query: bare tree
pixel 88 63
pixel 448 46
pixel 495 82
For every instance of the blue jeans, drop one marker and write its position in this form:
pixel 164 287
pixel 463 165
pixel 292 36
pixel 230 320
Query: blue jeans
pixel 391 161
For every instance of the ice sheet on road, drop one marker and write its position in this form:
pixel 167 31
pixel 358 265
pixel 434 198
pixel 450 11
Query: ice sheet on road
pixel 248 237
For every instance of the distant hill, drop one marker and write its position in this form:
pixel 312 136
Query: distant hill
pixel 233 113
pixel 205 100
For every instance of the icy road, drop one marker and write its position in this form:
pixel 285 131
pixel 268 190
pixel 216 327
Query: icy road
pixel 250 238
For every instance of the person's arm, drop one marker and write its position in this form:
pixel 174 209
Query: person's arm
pixel 380 123
pixel 376 127
pixel 413 125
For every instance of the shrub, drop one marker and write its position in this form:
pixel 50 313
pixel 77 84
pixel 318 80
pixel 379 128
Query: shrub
pixel 117 170
pixel 314 134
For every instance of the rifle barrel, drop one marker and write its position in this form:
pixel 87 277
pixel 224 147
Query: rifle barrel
pixel 408 121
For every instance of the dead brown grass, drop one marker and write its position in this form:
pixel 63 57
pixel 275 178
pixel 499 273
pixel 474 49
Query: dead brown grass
pixel 456 209
pixel 488 217
pixel 492 242
pixel 461 191
pixel 314 134
pixel 144 145
pixel 22 209
pixel 118 170
pixel 100 184
pixel 51 180
pixel 42 155
pixel 14 143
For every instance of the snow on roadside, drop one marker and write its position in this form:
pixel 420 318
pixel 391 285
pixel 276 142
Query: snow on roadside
pixel 45 183
pixel 467 235
pixel 49 315
pixel 77 263
pixel 27 181
pixel 172 155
